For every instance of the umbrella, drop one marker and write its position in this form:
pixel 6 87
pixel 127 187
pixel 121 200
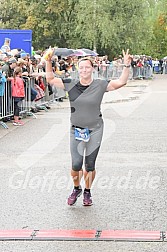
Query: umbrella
pixel 84 52
pixel 89 52
pixel 63 52
pixel 77 53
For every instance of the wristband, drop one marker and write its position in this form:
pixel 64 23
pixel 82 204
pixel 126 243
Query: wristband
pixel 127 66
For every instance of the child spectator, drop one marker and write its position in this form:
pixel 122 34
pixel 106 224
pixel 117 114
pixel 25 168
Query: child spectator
pixel 18 94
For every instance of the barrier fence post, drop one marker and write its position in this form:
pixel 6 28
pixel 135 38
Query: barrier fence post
pixel 7 105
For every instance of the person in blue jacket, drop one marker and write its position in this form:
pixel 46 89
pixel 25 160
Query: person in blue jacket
pixel 2 90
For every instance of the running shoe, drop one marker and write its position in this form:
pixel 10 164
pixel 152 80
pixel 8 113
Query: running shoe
pixel 87 199
pixel 74 196
pixel 18 123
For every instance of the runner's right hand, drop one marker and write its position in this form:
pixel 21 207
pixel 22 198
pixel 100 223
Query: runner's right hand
pixel 48 54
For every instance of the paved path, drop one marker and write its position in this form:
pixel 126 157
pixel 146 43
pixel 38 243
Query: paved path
pixel 130 189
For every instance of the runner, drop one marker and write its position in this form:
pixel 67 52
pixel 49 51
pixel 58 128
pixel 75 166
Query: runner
pixel 86 131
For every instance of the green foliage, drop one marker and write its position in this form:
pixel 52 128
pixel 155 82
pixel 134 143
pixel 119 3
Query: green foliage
pixel 108 26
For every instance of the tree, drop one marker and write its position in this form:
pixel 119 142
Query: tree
pixel 112 25
pixel 108 26
pixel 157 45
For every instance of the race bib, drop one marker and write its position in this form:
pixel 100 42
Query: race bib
pixel 82 134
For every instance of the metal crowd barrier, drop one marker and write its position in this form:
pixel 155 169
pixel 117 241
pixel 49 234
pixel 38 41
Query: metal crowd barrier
pixel 114 72
pixel 7 101
pixel 111 72
pixel 43 102
pixel 6 105
pixel 26 103
pixel 165 69
pixel 160 69
pixel 144 72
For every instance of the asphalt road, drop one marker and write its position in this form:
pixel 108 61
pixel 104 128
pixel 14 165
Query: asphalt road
pixel 129 192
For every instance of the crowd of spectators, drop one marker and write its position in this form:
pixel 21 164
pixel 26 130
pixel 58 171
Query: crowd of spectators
pixel 33 66
pixel 63 66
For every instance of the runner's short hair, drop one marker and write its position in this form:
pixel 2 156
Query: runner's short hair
pixel 84 59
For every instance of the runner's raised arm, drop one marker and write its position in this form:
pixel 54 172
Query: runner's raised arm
pixel 51 79
pixel 118 83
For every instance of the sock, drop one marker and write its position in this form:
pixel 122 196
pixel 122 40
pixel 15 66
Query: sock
pixel 87 190
pixel 76 187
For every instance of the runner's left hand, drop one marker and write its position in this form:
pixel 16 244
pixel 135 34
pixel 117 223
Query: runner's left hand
pixel 127 57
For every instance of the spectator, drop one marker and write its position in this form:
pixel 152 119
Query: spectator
pixel 2 87
pixel 9 66
pixel 63 66
pixel 22 63
pixel 18 94
pixel 134 67
pixel 8 69
pixel 34 66
pixel 161 65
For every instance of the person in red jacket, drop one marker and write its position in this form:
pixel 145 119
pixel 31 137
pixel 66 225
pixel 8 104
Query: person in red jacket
pixel 18 94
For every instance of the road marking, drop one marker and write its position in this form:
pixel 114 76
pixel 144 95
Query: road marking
pixel 80 235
